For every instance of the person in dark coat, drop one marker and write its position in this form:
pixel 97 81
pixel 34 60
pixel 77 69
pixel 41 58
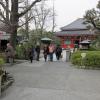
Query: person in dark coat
pixel 45 52
pixel 37 49
pixel 31 54
pixel 58 52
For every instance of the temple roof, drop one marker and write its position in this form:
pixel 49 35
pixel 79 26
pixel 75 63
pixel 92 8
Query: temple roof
pixel 76 25
pixel 76 28
pixel 74 33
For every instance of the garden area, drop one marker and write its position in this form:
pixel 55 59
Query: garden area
pixel 5 78
pixel 88 59
pixel 91 60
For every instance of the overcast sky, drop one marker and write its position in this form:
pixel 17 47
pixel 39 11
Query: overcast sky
pixel 69 10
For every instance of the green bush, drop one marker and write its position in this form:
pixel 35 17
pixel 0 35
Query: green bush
pixel 22 50
pixel 92 59
pixel 19 52
pixel 1 63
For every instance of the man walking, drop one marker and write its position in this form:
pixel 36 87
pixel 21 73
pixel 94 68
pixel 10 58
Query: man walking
pixel 37 49
pixel 58 52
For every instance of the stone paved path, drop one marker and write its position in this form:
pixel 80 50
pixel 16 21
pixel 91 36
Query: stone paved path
pixel 52 81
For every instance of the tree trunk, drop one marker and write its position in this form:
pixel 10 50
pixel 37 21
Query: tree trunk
pixel 13 37
pixel 14 22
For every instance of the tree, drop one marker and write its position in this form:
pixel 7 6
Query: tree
pixel 26 19
pixel 13 15
pixel 42 15
pixel 92 17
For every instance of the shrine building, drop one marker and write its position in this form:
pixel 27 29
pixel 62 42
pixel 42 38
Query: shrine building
pixel 74 33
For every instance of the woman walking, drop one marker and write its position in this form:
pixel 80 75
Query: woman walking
pixel 51 51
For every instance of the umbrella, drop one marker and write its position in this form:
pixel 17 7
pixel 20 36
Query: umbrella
pixel 46 39
pixel 85 42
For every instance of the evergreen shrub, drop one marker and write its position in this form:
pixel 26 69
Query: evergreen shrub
pixel 22 50
pixel 92 59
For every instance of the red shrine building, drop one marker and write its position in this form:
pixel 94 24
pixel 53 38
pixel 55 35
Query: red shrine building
pixel 74 33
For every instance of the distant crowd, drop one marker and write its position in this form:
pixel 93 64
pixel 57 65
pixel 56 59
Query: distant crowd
pixel 48 51
pixel 34 53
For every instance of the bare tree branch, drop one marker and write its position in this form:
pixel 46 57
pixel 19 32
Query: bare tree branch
pixel 2 21
pixel 25 11
pixel 2 15
pixel 22 7
pixel 21 1
pixel 26 21
pixel 2 4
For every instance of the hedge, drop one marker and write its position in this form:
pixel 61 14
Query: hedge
pixel 92 59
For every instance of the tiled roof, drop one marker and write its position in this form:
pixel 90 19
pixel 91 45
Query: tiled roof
pixel 4 27
pixel 77 24
pixel 74 33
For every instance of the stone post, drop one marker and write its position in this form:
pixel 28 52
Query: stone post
pixel 67 55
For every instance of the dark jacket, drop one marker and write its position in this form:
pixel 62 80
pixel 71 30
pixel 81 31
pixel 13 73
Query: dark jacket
pixel 45 50
pixel 37 49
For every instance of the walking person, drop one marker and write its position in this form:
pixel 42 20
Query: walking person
pixel 58 52
pixel 51 51
pixel 45 52
pixel 31 55
pixel 33 50
pixel 10 53
pixel 37 49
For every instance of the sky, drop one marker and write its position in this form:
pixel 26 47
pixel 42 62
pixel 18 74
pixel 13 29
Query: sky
pixel 69 10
